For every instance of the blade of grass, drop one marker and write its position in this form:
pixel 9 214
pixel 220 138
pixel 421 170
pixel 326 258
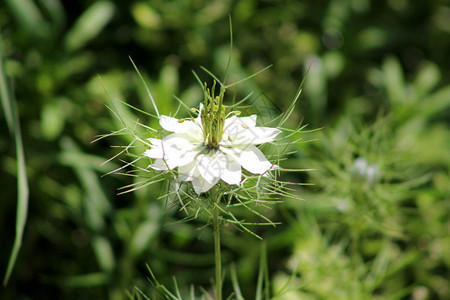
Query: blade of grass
pixel 5 99
pixel 10 112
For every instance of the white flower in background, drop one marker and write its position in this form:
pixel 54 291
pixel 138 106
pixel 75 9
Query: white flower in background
pixel 362 169
pixel 211 147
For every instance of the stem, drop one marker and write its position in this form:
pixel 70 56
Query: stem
pixel 218 261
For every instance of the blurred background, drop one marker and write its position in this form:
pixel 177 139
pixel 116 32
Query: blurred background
pixel 375 224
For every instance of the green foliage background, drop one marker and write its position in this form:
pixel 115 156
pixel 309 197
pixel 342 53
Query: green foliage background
pixel 375 224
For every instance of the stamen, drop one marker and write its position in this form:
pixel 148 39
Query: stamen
pixel 213 116
pixel 234 112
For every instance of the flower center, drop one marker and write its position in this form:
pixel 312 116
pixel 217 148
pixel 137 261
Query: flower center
pixel 213 116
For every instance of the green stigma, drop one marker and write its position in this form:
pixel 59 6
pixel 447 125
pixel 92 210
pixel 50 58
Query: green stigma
pixel 213 116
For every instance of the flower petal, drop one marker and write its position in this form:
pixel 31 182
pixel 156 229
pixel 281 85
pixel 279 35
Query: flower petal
pixel 166 146
pixel 174 149
pixel 232 173
pixel 255 136
pixel 244 131
pixel 201 185
pixel 184 126
pixel 187 172
pixel 236 123
pixel 155 151
pixel 211 165
pixel 159 165
pixel 251 158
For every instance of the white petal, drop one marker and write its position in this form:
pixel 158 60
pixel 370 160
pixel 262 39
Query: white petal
pixel 185 126
pixel 243 131
pixel 174 149
pixel 251 158
pixel 159 165
pixel 169 123
pixel 154 152
pixel 165 147
pixel 186 172
pixel 211 165
pixel 232 173
pixel 154 141
pixel 201 185
pixel 234 123
pixel 255 136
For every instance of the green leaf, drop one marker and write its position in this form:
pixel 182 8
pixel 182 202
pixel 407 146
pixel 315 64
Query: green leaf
pixel 52 120
pixel 9 109
pixel 146 16
pixel 316 86
pixel 55 10
pixel 85 280
pixel 438 102
pixel 104 253
pixel 144 234
pixel 96 205
pixel 89 25
pixel 29 17
pixel 394 80
pixel 427 79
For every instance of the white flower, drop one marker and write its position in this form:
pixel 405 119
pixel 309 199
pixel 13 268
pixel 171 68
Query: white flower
pixel 188 149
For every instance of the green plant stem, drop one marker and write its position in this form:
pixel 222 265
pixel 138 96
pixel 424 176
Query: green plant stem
pixel 217 253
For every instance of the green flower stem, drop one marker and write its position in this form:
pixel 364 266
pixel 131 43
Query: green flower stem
pixel 218 260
